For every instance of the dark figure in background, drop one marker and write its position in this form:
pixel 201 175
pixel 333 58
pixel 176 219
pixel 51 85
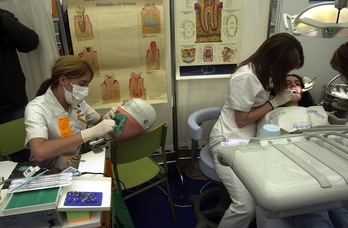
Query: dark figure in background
pixel 14 37
pixel 339 61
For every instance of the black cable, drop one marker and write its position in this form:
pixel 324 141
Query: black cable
pixel 105 175
pixel 51 165
pixel 53 160
pixel 338 16
pixel 124 186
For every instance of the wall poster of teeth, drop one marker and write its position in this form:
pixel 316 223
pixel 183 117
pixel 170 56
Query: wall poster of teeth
pixel 207 38
pixel 124 41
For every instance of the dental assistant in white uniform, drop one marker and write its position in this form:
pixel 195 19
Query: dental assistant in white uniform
pixel 56 120
pixel 248 99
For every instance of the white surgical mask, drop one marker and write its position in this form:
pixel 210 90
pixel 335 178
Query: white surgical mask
pixel 78 94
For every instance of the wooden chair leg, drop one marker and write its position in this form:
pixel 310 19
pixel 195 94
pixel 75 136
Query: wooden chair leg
pixel 106 219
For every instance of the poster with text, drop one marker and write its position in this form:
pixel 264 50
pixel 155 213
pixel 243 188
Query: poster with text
pixel 207 36
pixel 124 43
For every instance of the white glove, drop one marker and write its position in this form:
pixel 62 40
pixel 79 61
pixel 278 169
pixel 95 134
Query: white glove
pixel 281 99
pixel 110 115
pixel 98 130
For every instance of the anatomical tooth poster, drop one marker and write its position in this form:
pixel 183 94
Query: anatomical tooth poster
pixel 207 38
pixel 124 43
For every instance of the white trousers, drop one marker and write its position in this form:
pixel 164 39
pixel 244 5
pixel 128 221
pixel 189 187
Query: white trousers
pixel 242 209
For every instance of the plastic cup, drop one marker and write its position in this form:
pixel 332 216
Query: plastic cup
pixel 270 130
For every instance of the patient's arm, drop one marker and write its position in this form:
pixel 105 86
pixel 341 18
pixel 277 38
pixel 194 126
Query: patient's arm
pixel 335 120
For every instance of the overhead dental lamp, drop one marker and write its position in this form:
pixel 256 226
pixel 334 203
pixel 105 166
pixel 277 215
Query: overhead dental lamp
pixel 324 20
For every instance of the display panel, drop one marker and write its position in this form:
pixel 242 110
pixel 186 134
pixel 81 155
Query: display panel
pixel 207 38
pixel 124 43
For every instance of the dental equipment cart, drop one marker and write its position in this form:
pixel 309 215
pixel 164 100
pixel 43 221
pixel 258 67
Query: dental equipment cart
pixel 293 174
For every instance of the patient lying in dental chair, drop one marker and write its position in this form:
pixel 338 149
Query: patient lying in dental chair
pixel 299 113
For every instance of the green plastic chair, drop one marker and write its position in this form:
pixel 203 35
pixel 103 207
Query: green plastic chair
pixel 12 137
pixel 133 165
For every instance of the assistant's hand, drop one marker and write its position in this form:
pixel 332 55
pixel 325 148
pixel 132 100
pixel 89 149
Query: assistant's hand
pixel 98 130
pixel 281 98
pixel 110 115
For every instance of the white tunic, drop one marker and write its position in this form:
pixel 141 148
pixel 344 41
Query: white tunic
pixel 45 118
pixel 244 93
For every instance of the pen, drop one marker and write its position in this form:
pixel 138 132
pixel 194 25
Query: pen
pixel 28 181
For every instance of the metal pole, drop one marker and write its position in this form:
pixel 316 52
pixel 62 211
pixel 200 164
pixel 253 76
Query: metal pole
pixel 62 28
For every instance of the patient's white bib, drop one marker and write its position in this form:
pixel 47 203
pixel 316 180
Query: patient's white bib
pixel 293 118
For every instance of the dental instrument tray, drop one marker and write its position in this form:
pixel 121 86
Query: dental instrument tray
pixel 40 182
pixel 293 174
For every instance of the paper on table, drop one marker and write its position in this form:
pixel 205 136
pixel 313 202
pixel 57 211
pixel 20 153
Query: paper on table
pixel 91 159
pixel 6 168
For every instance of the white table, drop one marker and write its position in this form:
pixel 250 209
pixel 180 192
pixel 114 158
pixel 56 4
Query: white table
pixel 93 163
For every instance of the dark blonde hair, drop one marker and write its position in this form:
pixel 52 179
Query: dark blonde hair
pixel 275 58
pixel 70 66
pixel 339 60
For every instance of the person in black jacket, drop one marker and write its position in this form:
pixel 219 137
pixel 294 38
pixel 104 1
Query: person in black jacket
pixel 14 36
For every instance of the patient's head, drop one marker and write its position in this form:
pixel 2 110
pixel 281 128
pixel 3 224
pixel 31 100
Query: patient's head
pixel 141 116
pixel 299 98
pixel 295 84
